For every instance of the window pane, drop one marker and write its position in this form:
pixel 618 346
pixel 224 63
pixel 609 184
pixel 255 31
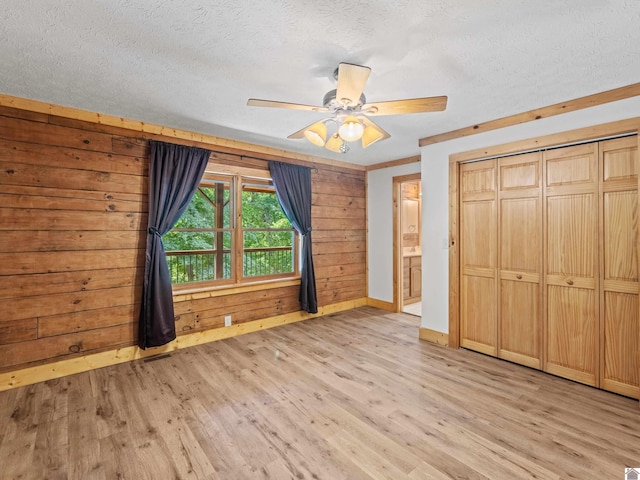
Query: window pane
pixel 198 248
pixel 260 207
pixel 199 214
pixel 178 240
pixel 198 266
pixel 267 253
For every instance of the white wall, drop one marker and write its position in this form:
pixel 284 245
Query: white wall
pixel 380 228
pixel 435 197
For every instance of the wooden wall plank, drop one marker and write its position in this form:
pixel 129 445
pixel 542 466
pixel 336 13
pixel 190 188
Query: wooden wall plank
pixel 337 212
pixel 15 331
pixel 345 201
pixel 73 322
pixel 48 134
pixel 28 307
pixel 66 345
pixel 33 219
pixel 49 262
pixel 93 195
pixel 61 203
pixel 64 282
pixel 324 248
pixel 339 223
pixel 38 154
pixel 12 173
pixel 66 240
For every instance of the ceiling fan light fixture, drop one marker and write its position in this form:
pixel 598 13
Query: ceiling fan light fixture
pixel 351 129
pixel 371 135
pixel 334 143
pixel 316 134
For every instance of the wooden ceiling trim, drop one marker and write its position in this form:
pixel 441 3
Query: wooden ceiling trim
pixel 150 128
pixel 537 114
pixel 394 163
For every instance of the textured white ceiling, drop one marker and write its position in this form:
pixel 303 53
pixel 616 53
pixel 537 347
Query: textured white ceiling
pixel 192 64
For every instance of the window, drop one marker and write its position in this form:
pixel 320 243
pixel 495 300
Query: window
pixel 233 231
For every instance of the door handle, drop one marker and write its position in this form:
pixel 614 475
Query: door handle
pixel 569 282
pixel 519 277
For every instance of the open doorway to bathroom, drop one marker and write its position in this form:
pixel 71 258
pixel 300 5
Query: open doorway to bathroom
pixel 407 228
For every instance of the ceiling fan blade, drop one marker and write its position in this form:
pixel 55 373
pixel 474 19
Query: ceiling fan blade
pixel 372 133
pixel 413 105
pixel 300 133
pixel 255 102
pixel 351 81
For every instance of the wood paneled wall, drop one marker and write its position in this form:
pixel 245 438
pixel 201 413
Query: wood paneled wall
pixel 73 212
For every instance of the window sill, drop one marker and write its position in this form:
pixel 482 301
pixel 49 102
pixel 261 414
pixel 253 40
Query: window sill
pixel 183 294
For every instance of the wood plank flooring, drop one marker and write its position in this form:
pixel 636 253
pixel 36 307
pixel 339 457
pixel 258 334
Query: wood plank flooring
pixel 353 395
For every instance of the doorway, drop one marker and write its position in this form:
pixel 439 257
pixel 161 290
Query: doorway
pixel 407 244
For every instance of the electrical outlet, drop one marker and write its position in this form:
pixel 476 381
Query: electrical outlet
pixel 227 320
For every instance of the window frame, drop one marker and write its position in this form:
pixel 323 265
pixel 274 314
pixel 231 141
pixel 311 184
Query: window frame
pixel 237 176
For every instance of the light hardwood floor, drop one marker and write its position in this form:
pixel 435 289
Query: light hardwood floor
pixel 354 395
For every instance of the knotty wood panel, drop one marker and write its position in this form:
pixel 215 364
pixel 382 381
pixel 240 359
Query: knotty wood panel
pixel 73 218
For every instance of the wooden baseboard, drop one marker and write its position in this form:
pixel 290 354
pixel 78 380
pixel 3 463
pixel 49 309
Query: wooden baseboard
pixel 434 337
pixel 381 304
pixel 41 373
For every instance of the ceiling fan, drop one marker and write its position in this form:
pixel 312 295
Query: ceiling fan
pixel 349 111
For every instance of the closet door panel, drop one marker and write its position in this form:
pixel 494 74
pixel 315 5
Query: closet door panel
pixel 478 257
pixel 520 259
pixel 571 166
pixel 572 235
pixel 479 314
pixel 572 336
pixel 520 322
pixel 571 341
pixel 520 234
pixel 620 331
pixel 478 234
pixel 620 344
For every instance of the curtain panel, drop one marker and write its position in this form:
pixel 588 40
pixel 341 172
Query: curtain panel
pixel 175 172
pixel 293 189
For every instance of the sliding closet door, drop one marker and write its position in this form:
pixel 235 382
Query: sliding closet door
pixel 571 264
pixel 619 332
pixel 478 257
pixel 520 266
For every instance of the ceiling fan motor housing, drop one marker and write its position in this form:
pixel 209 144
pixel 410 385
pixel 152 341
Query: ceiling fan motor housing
pixel 333 104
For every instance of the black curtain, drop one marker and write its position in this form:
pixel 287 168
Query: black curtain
pixel 293 189
pixel 174 175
